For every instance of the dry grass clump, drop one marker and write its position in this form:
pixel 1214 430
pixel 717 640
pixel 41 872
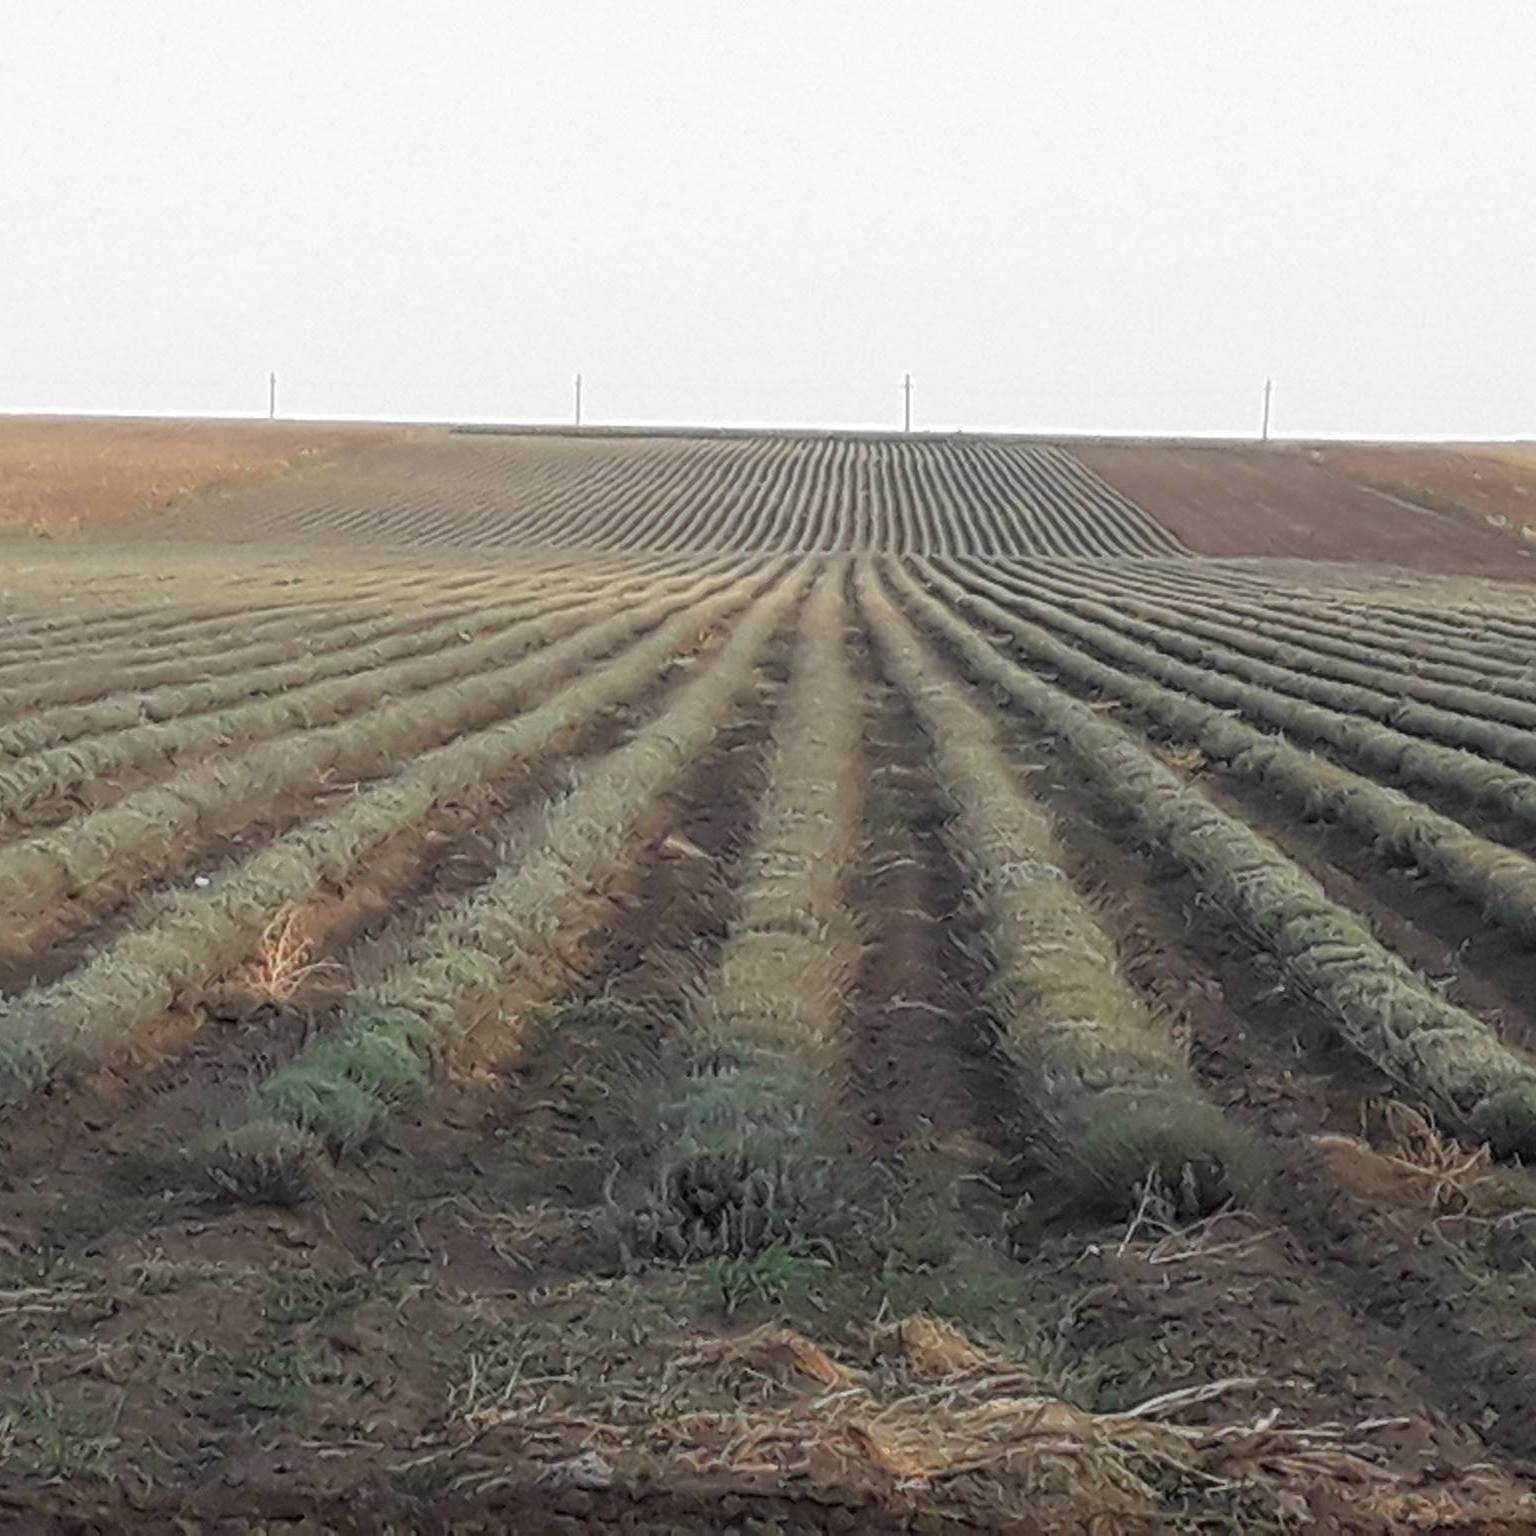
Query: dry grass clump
pixel 1403 1158
pixel 285 962
pixel 942 1426
pixel 770 1351
pixel 1110 1098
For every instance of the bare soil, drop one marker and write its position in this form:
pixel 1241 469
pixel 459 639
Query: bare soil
pixel 1493 484
pixel 1310 503
pixel 64 474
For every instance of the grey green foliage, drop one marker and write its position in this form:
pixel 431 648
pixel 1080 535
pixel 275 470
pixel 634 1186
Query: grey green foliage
pixel 750 1093
pixel 1499 880
pixel 1087 1053
pixel 75 1023
pixel 1378 747
pixel 396 1033
pixel 1442 1056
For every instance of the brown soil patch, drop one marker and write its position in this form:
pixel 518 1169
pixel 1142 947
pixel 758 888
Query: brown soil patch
pixel 1495 485
pixel 64 474
pixel 1304 502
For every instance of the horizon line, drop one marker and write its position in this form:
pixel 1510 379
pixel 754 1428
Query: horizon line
pixel 557 427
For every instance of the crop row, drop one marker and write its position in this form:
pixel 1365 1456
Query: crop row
pixel 143 665
pixel 744 1123
pixel 1455 771
pixel 1500 881
pixel 359 648
pixel 1424 621
pixel 1442 1056
pixel 469 977
pixel 1248 625
pixel 1465 717
pixel 61 673
pixel 468 688
pixel 77 1022
pixel 1476 621
pixel 31 636
pixel 1296 614
pixel 1110 1098
pixel 1380 672
pixel 910 496
pixel 55 770
pixel 176 627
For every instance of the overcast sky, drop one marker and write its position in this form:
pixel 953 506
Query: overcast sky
pixel 1058 216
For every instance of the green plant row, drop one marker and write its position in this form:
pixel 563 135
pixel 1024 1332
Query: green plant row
pixel 370 644
pixel 153 635
pixel 1500 881
pixel 1442 1056
pixel 61 675
pixel 274 599
pixel 1110 1098
pixel 1371 643
pixel 1476 621
pixel 748 1099
pixel 77 1022
pixel 174 628
pixel 54 770
pixel 139 833
pixel 29 641
pixel 1475 694
pixel 1380 748
pixel 1441 625
pixel 1457 728
pixel 450 993
pixel 60 680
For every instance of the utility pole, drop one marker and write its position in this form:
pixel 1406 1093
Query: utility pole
pixel 1269 386
pixel 578 399
pixel 271 397
pixel 906 392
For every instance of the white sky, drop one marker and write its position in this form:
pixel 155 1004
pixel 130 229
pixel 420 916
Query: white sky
pixel 1060 216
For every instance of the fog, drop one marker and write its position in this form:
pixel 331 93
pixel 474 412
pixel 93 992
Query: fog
pixel 1057 216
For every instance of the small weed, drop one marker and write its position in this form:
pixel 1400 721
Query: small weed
pixel 159 1277
pixel 271 1381
pixel 308 1295
pixel 46 1439
pixel 767 1277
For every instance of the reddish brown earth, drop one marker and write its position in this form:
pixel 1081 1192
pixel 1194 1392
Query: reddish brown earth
pixel 1303 502
pixel 1496 484
pixel 61 474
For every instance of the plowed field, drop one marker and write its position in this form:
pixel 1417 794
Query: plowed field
pixel 759 984
pixel 59 475
pixel 1425 509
